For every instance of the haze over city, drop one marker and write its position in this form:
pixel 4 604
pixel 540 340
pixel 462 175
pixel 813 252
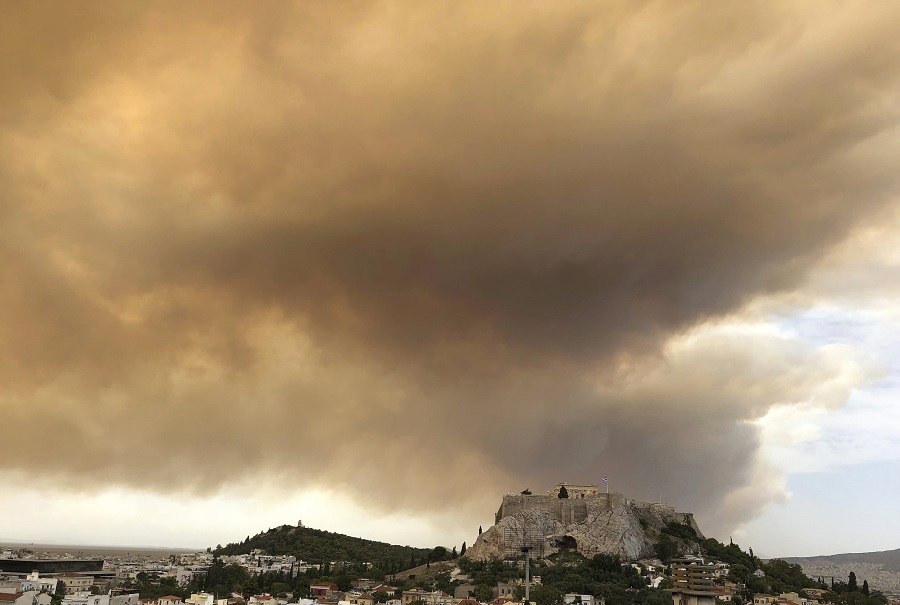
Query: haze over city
pixel 374 265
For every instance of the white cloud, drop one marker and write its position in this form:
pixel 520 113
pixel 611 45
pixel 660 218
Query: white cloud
pixel 849 305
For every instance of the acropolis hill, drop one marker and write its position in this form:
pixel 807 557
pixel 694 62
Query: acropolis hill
pixel 588 521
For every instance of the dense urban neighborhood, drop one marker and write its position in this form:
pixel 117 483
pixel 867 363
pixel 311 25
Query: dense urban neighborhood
pixel 573 545
pixel 718 574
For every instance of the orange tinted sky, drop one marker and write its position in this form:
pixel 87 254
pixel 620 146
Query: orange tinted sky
pixel 466 247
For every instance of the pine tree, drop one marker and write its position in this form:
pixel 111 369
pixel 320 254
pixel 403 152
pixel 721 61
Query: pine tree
pixel 462 550
pixel 479 530
pixel 453 553
pixel 865 588
pixel 563 492
pixel 851 584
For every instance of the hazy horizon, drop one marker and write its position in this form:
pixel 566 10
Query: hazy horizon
pixel 52 547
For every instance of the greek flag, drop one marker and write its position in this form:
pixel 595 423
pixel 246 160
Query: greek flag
pixel 605 480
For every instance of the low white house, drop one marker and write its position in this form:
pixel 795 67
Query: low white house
pixel 86 598
pixel 28 597
pixel 584 599
pixel 42 584
pixel 201 598
pixel 125 598
pixel 117 598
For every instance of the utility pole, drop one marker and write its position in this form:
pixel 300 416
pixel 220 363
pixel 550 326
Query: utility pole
pixel 526 550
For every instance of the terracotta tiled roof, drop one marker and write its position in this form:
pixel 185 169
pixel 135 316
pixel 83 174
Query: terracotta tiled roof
pixel 9 596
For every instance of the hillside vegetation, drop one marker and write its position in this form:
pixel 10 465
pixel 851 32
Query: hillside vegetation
pixel 320 546
pixel 568 571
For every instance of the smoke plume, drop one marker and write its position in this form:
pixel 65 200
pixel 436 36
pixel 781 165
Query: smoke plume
pixel 467 247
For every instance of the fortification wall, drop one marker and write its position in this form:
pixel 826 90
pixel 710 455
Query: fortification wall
pixel 663 509
pixel 564 510
pixel 574 491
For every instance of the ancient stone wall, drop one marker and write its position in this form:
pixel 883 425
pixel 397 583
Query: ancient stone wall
pixel 564 510
pixel 663 509
pixel 574 491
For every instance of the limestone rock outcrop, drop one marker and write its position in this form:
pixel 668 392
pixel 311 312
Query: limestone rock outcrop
pixel 590 524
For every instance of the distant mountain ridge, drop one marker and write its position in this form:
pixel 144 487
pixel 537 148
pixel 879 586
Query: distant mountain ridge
pixel 881 568
pixel 888 559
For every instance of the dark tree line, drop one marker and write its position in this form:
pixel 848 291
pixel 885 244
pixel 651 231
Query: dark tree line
pixel 850 593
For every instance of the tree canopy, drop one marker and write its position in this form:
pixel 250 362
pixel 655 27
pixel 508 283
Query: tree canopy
pixel 319 546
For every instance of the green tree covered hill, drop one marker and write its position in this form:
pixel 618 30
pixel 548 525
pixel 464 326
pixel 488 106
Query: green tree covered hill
pixel 320 546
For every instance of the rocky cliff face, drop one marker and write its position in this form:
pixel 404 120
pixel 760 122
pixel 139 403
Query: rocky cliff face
pixel 606 523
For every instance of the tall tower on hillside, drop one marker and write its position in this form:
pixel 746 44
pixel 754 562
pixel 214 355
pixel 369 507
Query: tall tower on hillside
pixel 526 540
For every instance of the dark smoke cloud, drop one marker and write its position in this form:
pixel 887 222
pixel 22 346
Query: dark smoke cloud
pixel 444 245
